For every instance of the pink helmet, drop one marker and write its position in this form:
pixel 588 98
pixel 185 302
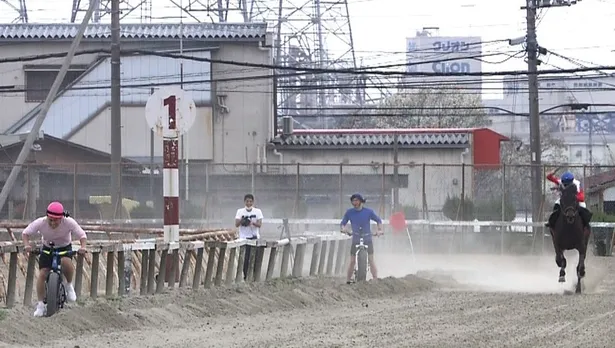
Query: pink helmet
pixel 55 210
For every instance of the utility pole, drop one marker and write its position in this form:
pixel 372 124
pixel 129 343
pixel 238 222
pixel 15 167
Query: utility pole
pixel 533 50
pixel 55 87
pixel 536 153
pixel 116 113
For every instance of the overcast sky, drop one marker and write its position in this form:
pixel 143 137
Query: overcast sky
pixel 582 31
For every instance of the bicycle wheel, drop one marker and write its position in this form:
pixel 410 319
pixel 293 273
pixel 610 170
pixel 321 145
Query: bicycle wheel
pixel 362 265
pixel 53 293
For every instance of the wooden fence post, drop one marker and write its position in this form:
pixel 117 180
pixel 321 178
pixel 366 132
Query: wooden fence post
pixel 198 268
pixel 94 274
pixel 230 268
pixel 144 271
pixel 220 266
pixel 12 281
pixel 273 253
pixel 79 275
pixel 109 282
pixel 30 275
pixel 211 260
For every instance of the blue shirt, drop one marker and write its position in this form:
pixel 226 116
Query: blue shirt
pixel 360 219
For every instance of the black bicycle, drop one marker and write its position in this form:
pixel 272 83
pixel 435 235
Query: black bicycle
pixel 55 293
pixel 361 265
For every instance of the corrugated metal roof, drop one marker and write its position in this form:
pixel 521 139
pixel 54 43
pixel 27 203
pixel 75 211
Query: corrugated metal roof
pixel 135 31
pixel 76 106
pixel 420 139
pixel 390 131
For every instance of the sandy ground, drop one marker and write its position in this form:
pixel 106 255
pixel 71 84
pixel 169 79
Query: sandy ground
pixel 452 301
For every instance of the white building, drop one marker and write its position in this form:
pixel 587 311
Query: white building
pixel 589 134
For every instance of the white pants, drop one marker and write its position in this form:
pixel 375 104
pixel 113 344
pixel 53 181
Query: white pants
pixel 581 204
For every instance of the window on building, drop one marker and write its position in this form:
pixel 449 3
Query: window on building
pixel 39 78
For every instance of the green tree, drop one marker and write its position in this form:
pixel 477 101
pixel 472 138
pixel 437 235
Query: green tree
pixel 491 209
pixel 453 209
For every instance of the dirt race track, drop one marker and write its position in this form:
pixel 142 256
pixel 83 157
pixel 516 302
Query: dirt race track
pixel 452 301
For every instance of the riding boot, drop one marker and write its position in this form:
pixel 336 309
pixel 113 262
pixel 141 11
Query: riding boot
pixel 586 216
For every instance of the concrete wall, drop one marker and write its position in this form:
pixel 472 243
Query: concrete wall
pixel 442 173
pixel 136 138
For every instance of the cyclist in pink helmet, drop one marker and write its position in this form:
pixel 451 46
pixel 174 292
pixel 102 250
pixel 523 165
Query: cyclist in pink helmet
pixel 56 227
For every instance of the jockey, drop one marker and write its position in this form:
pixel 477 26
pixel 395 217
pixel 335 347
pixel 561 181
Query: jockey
pixel 569 179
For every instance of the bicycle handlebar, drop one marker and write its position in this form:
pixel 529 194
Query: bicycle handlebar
pixel 59 253
pixel 350 233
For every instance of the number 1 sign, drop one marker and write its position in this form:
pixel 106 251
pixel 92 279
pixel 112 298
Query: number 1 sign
pixel 170 112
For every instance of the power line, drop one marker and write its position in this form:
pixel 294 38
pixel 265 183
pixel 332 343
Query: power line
pixel 359 71
pixel 409 88
pixel 367 71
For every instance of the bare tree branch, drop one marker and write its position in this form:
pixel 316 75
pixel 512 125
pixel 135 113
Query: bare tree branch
pixel 424 111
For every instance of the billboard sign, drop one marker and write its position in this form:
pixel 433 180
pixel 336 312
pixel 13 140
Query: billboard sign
pixel 444 54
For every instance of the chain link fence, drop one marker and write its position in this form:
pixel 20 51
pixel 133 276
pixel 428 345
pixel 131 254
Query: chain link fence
pixel 434 192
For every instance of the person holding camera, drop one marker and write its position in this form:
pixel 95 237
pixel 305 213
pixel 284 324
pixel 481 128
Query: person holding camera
pixel 249 221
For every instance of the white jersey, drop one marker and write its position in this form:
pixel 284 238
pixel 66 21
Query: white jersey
pixel 254 214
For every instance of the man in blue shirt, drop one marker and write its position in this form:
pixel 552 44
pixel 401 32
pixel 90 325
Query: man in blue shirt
pixel 359 218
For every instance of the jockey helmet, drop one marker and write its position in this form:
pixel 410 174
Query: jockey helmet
pixel 567 178
pixel 357 196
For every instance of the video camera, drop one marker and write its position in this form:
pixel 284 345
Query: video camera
pixel 246 220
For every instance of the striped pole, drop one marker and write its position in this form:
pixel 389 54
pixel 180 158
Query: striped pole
pixel 170 112
pixel 170 189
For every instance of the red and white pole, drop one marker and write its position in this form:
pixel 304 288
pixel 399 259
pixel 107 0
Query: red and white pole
pixel 170 112
pixel 170 189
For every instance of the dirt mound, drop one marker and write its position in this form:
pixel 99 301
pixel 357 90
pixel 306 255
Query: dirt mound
pixel 178 307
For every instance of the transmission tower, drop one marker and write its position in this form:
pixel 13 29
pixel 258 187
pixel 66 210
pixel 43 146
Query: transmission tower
pixel 18 7
pixel 129 8
pixel 307 34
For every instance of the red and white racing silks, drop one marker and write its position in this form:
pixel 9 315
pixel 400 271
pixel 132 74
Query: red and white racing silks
pixel 580 194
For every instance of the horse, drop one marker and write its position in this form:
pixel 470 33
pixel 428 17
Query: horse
pixel 568 234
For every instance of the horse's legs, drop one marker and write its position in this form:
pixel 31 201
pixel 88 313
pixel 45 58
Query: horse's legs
pixel 580 269
pixel 581 265
pixel 560 260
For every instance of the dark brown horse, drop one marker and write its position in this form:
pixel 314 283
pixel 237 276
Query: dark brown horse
pixel 568 234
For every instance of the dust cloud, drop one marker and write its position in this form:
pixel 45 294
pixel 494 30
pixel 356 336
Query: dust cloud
pixel 425 300
pixel 489 272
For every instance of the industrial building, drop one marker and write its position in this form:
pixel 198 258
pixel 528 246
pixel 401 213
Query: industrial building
pixel 234 107
pixel 431 163
pixel 588 134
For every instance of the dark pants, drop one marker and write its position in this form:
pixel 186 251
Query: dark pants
pixel 45 260
pixel 586 216
pixel 246 259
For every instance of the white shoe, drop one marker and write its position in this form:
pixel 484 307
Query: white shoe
pixel 71 296
pixel 40 309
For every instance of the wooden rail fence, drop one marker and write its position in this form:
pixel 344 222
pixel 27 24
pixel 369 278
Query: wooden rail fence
pixel 207 259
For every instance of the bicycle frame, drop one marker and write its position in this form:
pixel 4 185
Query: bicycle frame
pixel 360 246
pixel 56 268
pixel 56 264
